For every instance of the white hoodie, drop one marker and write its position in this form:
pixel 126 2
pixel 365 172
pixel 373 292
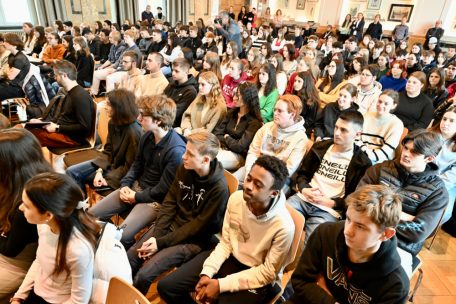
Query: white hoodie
pixel 367 100
pixel 287 144
pixel 260 242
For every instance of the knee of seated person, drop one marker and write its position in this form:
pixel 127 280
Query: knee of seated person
pixel 163 286
pixel 142 281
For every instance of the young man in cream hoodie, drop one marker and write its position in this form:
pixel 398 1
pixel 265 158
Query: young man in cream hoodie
pixel 284 137
pixel 247 264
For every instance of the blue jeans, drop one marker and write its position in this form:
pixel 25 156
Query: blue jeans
pixel 83 173
pixel 314 216
pixel 139 215
pixel 146 271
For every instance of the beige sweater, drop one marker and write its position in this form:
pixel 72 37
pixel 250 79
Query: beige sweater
pixel 131 82
pixel 200 116
pixel 151 84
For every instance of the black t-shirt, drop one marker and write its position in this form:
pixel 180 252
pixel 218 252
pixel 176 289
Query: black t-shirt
pixel 20 62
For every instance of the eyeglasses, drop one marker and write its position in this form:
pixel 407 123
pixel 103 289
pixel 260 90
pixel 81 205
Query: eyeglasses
pixel 366 75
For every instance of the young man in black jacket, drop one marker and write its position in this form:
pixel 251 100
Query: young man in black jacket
pixel 330 172
pixel 182 89
pixel 425 197
pixel 191 213
pixel 356 260
pixel 157 43
pixel 145 185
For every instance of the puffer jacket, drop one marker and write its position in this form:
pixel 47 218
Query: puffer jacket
pixel 424 196
pixel 32 90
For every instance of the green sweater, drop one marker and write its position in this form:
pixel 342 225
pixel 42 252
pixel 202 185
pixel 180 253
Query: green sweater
pixel 267 104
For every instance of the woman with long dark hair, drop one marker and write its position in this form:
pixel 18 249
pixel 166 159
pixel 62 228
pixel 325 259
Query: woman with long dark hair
pixel 267 91
pixel 21 158
pixel 28 38
pixel 240 125
pixel 119 152
pixel 330 85
pixel 70 53
pixel 40 41
pixel 63 269
pixel 304 88
pixel 170 52
pixel 84 62
pixel 289 62
pixel 344 29
pixel 58 26
pixel 435 87
pixel 446 160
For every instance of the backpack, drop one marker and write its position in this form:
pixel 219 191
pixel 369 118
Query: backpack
pixel 110 261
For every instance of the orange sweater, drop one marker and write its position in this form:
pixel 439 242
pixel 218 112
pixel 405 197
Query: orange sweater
pixel 52 53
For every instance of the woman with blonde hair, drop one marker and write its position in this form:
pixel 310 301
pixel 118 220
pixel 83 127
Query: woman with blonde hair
pixel 208 108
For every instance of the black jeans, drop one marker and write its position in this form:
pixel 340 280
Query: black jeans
pixel 176 287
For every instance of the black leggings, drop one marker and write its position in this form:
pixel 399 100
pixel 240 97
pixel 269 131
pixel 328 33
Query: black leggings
pixel 33 298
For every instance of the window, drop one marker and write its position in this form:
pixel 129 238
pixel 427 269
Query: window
pixel 16 12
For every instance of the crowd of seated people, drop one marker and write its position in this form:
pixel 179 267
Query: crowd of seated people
pixel 325 125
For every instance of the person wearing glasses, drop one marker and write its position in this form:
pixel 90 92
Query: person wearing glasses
pixel 132 80
pixel 368 89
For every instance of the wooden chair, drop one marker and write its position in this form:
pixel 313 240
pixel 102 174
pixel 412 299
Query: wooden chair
pixel 417 268
pixel 436 230
pixel 91 140
pixel 78 156
pixel 122 292
pixel 295 251
pixel 232 182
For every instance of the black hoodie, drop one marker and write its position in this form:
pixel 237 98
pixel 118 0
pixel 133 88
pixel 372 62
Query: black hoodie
pixel 183 95
pixel 326 119
pixel 193 209
pixel 380 280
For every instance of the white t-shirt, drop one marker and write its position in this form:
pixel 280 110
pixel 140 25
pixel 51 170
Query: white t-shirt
pixel 330 176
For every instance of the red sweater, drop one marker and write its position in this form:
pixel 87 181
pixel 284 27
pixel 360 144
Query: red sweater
pixel 229 84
